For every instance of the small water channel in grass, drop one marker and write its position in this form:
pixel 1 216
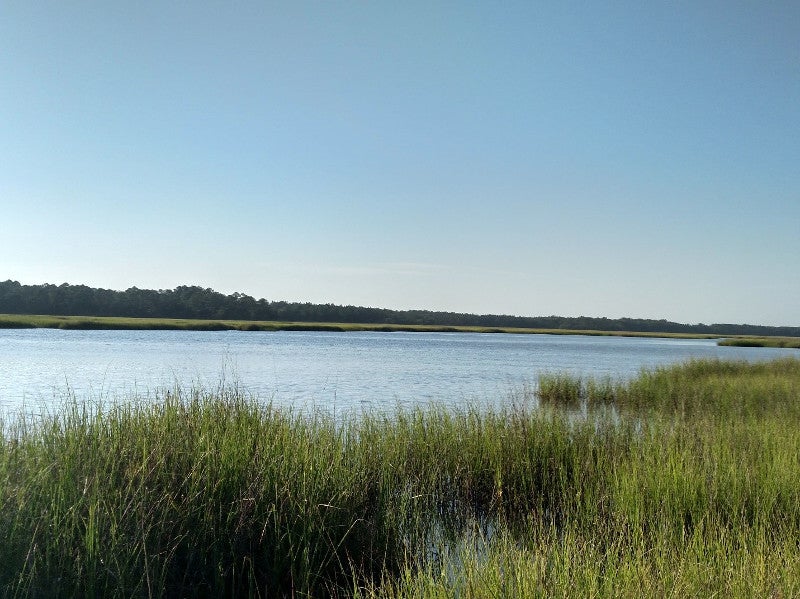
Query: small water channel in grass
pixel 332 371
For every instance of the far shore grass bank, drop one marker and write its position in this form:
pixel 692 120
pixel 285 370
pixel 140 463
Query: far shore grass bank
pixel 31 321
pixel 21 321
pixel 748 341
pixel 684 482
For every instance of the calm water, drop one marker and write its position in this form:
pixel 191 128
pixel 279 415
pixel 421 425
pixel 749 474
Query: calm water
pixel 338 371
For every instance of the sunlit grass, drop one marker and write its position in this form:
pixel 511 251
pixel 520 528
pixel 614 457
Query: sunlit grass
pixel 747 341
pixel 122 323
pixel 684 483
pixel 572 563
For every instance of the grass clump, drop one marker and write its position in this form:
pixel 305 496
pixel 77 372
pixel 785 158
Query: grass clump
pixel 193 496
pixel 560 389
pixel 687 486
pixel 744 341
pixel 705 387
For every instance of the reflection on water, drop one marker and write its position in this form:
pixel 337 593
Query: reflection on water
pixel 328 370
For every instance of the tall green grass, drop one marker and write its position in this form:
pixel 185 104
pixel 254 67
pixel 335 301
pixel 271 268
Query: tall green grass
pixel 687 485
pixel 714 388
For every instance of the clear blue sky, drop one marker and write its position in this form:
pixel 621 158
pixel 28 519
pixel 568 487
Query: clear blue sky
pixel 633 159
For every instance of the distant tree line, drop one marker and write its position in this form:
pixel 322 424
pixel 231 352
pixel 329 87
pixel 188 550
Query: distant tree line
pixel 199 302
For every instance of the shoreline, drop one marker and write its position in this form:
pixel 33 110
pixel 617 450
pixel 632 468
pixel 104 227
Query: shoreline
pixel 38 321
pixel 113 323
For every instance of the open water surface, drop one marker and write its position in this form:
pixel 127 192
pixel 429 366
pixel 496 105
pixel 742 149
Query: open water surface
pixel 321 370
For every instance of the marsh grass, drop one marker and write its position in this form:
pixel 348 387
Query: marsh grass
pixel 572 564
pixel 691 488
pixel 560 389
pixel 719 388
pixel 28 321
pixel 748 341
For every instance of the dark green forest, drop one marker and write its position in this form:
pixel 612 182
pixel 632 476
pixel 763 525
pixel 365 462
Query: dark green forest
pixel 204 303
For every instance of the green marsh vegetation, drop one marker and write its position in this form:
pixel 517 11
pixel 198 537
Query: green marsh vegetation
pixel 793 342
pixel 31 321
pixel 682 482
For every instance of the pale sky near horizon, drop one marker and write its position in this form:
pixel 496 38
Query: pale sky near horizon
pixel 615 159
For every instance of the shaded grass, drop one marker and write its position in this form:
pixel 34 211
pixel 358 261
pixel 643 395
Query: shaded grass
pixel 687 486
